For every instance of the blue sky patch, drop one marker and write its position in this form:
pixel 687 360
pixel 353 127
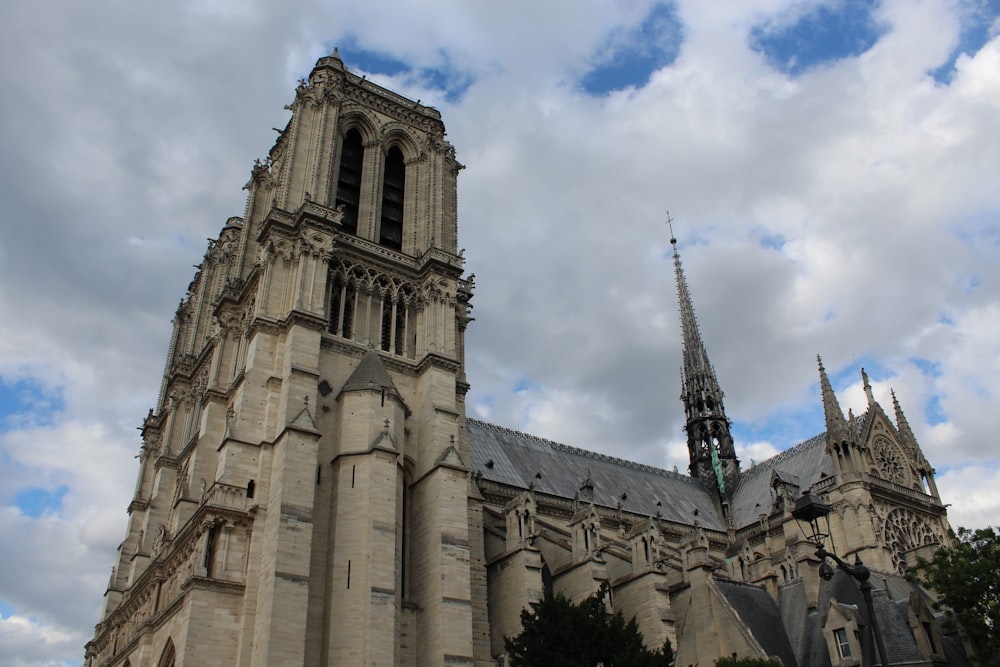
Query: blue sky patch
pixel 523 384
pixel 783 429
pixel 969 283
pixel 934 412
pixel 448 79
pixel 850 374
pixel 35 501
pixel 976 25
pixel 828 33
pixel 927 367
pixel 27 402
pixel 6 611
pixel 791 425
pixel 629 58
pixel 773 241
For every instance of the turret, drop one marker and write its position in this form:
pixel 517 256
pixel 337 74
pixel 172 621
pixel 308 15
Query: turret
pixel 840 440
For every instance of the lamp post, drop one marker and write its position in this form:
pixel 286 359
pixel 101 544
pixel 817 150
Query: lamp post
pixel 813 517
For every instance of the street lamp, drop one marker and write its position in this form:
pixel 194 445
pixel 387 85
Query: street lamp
pixel 813 517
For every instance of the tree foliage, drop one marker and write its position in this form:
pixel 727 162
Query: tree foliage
pixel 746 662
pixel 966 576
pixel 558 633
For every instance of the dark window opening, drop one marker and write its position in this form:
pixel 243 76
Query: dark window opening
pixel 388 309
pixel 209 551
pixel 400 340
pixel 394 326
pixel 930 636
pixel 393 187
pixel 250 488
pixel 352 155
pixel 342 301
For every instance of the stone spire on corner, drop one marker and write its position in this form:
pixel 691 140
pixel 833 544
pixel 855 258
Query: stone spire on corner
pixel 836 425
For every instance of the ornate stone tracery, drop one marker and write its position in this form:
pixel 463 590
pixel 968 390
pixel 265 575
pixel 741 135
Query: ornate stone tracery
pixel 905 530
pixel 890 462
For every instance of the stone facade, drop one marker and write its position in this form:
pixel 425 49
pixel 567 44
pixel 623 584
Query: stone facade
pixel 312 493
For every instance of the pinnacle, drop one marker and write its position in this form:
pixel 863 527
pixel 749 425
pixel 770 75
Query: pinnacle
pixel 836 426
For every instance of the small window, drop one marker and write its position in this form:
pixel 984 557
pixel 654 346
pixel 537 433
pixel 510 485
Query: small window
pixel 250 488
pixel 843 646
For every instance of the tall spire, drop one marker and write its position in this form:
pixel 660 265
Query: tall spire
pixel 710 443
pixel 836 425
pixel 903 427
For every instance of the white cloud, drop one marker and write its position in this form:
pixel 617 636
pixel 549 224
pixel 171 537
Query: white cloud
pixel 851 211
pixel 25 642
pixel 971 494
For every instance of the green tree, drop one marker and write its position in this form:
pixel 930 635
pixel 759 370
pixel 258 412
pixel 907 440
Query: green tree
pixel 746 662
pixel 558 633
pixel 966 576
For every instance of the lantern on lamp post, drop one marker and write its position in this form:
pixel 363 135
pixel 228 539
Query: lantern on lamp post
pixel 813 517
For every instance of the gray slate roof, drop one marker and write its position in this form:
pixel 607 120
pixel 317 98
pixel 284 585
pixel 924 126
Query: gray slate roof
pixel 803 625
pixel 521 460
pixel 370 374
pixel 759 612
pixel 804 464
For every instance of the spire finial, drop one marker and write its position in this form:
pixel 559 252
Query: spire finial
pixel 867 386
pixel 670 226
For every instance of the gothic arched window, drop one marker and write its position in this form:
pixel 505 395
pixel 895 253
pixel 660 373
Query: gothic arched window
pixel 905 530
pixel 169 655
pixel 352 157
pixel 343 296
pixel 393 187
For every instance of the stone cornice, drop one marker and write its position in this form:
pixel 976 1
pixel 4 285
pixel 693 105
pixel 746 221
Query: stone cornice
pixel 170 563
pixel 498 495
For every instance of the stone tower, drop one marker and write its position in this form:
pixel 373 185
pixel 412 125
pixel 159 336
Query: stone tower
pixel 304 495
pixel 710 444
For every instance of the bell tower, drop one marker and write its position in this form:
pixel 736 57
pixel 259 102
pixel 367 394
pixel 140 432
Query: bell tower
pixel 308 453
pixel 710 444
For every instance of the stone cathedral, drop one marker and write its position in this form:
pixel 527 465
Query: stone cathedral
pixel 311 491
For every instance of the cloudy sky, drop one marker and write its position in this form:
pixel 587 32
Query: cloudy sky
pixel 832 169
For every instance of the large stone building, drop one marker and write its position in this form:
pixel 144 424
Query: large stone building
pixel 311 491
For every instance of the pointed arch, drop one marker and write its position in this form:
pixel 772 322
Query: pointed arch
pixel 168 657
pixel 349 176
pixel 390 232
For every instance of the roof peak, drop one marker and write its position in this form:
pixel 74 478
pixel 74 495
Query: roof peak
pixel 596 456
pixel 370 374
